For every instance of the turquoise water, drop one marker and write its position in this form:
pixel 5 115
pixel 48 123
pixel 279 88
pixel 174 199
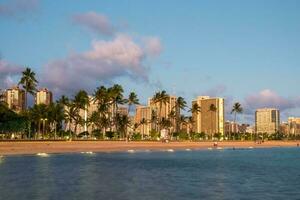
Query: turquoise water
pixel 218 174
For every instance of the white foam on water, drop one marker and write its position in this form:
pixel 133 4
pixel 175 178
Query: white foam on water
pixel 209 148
pixel 170 150
pixel 188 149
pixel 219 148
pixel 42 154
pixel 87 152
pixel 250 147
pixel 131 151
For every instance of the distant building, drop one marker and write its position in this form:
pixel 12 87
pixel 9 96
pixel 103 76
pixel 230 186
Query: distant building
pixel 231 127
pixel 294 125
pixel 209 121
pixel 143 119
pixel 164 110
pixel 123 111
pixel 15 99
pixel 43 96
pixel 284 128
pixel 267 120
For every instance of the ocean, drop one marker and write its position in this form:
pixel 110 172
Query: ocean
pixel 272 173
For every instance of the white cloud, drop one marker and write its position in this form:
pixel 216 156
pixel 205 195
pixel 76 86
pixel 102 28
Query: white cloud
pixel 104 62
pixel 95 22
pixel 7 72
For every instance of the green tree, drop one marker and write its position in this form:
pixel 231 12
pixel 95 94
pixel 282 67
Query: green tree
pixel 236 109
pixel 161 98
pixel 28 82
pixel 132 100
pixel 212 109
pixel 179 105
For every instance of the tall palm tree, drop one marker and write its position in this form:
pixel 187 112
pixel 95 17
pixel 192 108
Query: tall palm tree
pixel 71 114
pixel 143 122
pixel 132 100
pixel 56 115
pixel 162 98
pixel 236 109
pixel 179 105
pixel 81 101
pixel 116 95
pixel 28 82
pixel 212 109
pixel 195 109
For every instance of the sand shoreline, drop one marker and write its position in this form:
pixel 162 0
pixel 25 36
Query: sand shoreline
pixel 22 148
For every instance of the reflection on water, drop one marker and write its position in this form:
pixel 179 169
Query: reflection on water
pixel 226 174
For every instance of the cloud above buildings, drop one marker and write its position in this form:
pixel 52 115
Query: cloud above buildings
pixel 269 98
pixel 153 46
pixel 103 63
pixel 18 8
pixel 7 73
pixel 95 22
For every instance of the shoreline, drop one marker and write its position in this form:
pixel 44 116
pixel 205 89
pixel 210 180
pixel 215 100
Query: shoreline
pixel 35 147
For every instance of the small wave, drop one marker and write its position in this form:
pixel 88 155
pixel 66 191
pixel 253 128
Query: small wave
pixel 188 149
pixel 170 150
pixel 209 148
pixel 87 152
pixel 219 148
pixel 250 147
pixel 131 151
pixel 42 154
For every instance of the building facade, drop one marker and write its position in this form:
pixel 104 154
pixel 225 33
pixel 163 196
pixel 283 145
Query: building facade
pixel 267 120
pixel 209 120
pixel 143 119
pixel 294 125
pixel 15 99
pixel 43 96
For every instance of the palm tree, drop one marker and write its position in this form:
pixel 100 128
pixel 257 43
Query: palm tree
pixel 116 96
pixel 212 109
pixel 179 105
pixel 56 115
pixel 195 109
pixel 28 82
pixel 71 114
pixel 162 98
pixel 236 109
pixel 132 100
pixel 81 101
pixel 143 122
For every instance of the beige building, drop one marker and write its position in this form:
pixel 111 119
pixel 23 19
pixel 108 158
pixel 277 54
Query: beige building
pixel 294 125
pixel 267 120
pixel 15 99
pixel 208 121
pixel 43 96
pixel 143 113
pixel 164 110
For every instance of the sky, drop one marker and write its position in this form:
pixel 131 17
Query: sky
pixel 244 51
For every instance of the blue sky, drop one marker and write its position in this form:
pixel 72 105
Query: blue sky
pixel 246 51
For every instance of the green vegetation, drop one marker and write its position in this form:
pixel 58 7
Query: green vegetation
pixel 62 119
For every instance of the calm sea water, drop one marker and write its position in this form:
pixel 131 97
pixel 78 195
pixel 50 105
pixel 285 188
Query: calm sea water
pixel 218 174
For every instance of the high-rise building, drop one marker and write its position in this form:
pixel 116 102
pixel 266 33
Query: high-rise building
pixel 267 120
pixel 294 125
pixel 143 119
pixel 43 96
pixel 164 110
pixel 211 118
pixel 15 99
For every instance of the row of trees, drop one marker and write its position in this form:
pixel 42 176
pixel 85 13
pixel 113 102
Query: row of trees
pixel 64 117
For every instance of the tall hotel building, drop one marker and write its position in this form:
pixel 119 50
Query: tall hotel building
pixel 165 109
pixel 294 125
pixel 43 96
pixel 209 121
pixel 267 120
pixel 15 99
pixel 143 113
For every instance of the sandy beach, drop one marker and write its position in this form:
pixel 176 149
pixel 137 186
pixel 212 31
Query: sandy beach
pixel 15 148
